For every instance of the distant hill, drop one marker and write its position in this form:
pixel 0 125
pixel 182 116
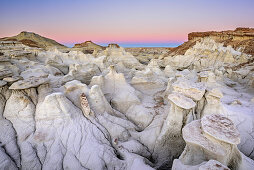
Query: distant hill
pixel 33 40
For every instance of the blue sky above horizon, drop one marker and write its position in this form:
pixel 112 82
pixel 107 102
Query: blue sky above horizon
pixel 132 22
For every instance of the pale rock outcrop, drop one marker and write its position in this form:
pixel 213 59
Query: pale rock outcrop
pixel 58 81
pixel 135 161
pixel 63 68
pixel 117 90
pixel 53 71
pixel 179 61
pixel 84 73
pixel 96 108
pixel 98 101
pixel 213 137
pixel 169 89
pixel 170 143
pixel 193 90
pixel 150 134
pixel 115 55
pixel 57 126
pixel 134 146
pixel 105 115
pixel 189 89
pixel 8 141
pixel 73 90
pixel 187 74
pixel 33 72
pixel 148 81
pixel 169 71
pixel 215 53
pixel 155 65
pixel 19 109
pixel 207 77
pixel 213 104
pixel 206 53
pixel 122 69
pixel 140 115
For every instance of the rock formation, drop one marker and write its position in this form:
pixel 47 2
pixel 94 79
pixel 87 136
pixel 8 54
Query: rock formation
pixel 214 137
pixel 240 38
pixel 88 47
pixel 33 40
pixel 189 107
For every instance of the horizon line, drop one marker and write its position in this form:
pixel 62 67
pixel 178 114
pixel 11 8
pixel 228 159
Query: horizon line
pixel 133 44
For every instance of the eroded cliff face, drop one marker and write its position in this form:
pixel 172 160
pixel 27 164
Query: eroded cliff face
pixel 240 39
pixel 106 110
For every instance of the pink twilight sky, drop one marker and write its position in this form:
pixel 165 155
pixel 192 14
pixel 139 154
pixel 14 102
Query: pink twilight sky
pixel 122 21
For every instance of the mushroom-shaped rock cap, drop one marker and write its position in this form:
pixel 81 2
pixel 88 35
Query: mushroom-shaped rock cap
pixel 28 83
pixel 221 128
pixel 190 89
pixel 192 133
pixel 181 101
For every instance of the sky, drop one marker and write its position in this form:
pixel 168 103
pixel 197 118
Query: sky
pixel 126 22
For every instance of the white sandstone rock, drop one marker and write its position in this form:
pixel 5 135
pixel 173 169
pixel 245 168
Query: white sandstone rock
pixel 181 101
pixel 190 89
pixel 213 137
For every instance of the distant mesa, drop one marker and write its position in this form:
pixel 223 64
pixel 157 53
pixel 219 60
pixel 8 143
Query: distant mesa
pixel 33 40
pixel 88 47
pixel 87 44
pixel 239 38
pixel 237 34
pixel 113 46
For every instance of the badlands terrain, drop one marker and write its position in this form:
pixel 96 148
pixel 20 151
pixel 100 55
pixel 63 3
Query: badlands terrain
pixel 93 107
